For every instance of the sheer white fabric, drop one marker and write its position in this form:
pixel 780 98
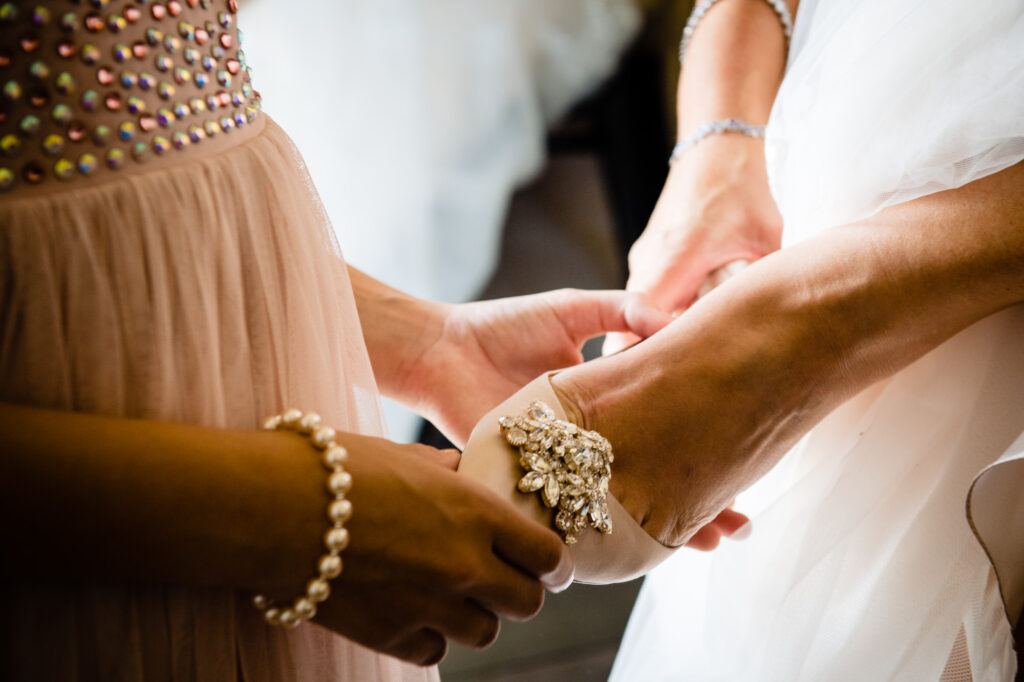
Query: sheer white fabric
pixel 433 113
pixel 862 564
pixel 886 101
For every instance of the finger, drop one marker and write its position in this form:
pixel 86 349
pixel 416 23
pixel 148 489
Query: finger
pixel 618 341
pixel 592 313
pixel 423 647
pixel 672 273
pixel 643 318
pixel 535 550
pixel 448 458
pixel 726 524
pixel 467 623
pixel 671 286
pixel 509 592
pixel 706 539
pixel 721 275
pixel 730 521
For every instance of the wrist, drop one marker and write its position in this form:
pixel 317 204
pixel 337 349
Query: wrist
pixel 722 393
pixel 721 126
pixel 403 345
pixel 426 360
pixel 725 156
pixel 283 538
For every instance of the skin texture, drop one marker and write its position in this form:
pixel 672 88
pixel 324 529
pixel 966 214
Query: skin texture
pixel 432 556
pixel 254 515
pixel 715 207
pixel 452 364
pixel 703 409
pixel 488 350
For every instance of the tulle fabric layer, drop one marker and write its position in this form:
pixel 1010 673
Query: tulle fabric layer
pixel 885 101
pixel 207 292
pixel 862 563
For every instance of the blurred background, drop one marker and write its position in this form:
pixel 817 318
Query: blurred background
pixel 469 150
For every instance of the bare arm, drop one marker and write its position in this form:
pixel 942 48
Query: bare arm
pixel 102 499
pixel 126 499
pixel 702 410
pixel 733 65
pixel 452 363
pixel 715 206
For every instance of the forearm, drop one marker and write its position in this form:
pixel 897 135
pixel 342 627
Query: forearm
pixel 398 328
pixel 748 370
pixel 733 65
pixel 110 499
pixel 716 206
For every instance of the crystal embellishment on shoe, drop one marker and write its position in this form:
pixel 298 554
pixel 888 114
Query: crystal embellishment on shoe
pixel 569 466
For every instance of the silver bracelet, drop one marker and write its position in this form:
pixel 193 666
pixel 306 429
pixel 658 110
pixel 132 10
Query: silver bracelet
pixel 722 125
pixel 702 7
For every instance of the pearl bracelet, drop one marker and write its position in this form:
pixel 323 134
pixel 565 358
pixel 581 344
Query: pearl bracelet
pixel 702 7
pixel 716 127
pixel 339 511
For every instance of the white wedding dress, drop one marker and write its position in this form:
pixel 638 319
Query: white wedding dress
pixel 889 544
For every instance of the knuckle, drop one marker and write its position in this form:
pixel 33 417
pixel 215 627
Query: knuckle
pixel 488 631
pixel 634 256
pixel 435 649
pixel 424 451
pixel 397 641
pixel 406 649
pixel 533 600
pixel 421 648
pixel 464 575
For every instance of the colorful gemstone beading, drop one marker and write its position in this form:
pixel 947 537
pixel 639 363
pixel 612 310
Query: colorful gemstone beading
pixel 136 56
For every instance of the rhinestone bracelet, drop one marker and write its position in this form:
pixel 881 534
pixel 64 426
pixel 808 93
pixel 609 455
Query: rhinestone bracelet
pixel 702 7
pixel 716 127
pixel 339 511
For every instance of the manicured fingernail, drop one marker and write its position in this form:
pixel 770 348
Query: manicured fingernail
pixel 743 532
pixel 564 586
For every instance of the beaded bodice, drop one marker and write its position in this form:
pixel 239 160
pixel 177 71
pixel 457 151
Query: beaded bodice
pixel 93 86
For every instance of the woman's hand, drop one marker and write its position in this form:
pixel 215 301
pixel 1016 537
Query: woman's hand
pixel 485 351
pixel 705 408
pixel 433 557
pixel 726 525
pixel 715 208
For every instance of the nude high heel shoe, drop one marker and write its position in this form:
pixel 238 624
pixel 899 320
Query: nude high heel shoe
pixel 625 553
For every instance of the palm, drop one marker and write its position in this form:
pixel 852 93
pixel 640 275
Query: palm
pixel 489 350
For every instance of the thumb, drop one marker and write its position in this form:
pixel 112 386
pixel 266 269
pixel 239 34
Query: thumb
pixel 599 312
pixel 449 459
pixel 616 341
pixel 643 318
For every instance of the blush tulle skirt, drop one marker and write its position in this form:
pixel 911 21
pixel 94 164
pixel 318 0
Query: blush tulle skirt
pixel 208 291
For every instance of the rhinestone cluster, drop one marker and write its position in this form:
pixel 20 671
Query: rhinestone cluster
pixel 109 81
pixel 339 510
pixel 569 466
